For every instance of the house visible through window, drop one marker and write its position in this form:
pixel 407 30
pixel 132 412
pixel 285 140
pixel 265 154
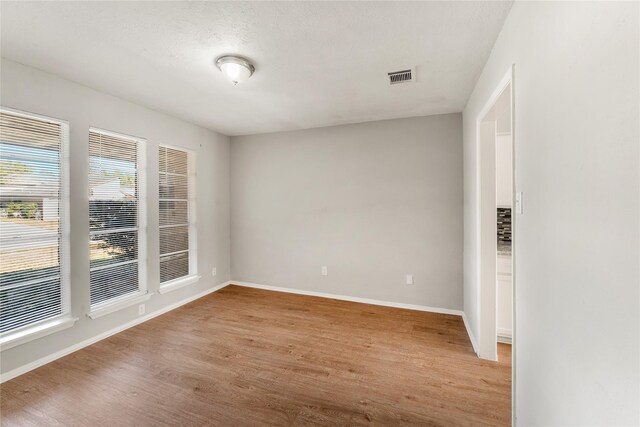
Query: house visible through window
pixel 177 224
pixel 34 285
pixel 115 243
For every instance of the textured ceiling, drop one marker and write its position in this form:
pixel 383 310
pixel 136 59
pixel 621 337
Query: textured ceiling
pixel 317 63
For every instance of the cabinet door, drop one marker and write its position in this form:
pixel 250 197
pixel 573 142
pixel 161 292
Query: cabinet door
pixel 503 266
pixel 504 294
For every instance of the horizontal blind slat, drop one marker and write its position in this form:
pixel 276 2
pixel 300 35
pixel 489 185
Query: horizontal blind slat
pixel 30 234
pixel 174 193
pixel 113 215
pixel 113 282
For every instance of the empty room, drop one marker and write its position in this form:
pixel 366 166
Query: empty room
pixel 317 213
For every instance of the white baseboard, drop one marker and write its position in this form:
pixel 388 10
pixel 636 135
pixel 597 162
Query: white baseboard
pixel 352 299
pixel 472 338
pixel 504 336
pixel 65 351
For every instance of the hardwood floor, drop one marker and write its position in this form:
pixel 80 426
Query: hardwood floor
pixel 248 357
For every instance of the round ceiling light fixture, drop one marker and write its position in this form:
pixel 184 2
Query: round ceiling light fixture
pixel 235 68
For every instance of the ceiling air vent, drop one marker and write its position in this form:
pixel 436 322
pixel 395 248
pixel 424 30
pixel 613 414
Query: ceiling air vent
pixel 404 76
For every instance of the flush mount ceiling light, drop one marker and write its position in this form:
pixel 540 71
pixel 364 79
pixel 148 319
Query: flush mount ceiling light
pixel 235 68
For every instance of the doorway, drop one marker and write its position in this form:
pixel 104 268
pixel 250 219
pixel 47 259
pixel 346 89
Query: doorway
pixel 496 221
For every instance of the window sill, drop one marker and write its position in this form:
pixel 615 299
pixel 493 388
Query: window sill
pixel 178 283
pixel 109 307
pixel 17 338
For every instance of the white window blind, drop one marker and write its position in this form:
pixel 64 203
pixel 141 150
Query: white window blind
pixel 115 227
pixel 177 219
pixel 33 228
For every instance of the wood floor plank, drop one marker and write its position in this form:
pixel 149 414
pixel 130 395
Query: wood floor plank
pixel 249 357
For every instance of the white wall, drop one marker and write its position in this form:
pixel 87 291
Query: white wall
pixel 504 157
pixel 504 152
pixel 577 244
pixel 373 202
pixel 31 90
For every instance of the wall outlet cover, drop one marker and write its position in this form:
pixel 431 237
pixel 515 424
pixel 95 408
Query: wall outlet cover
pixel 519 203
pixel 141 309
pixel 214 271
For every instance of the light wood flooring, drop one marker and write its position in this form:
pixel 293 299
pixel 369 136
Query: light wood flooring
pixel 248 357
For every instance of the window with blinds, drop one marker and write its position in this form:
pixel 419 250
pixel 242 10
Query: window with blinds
pixel 33 232
pixel 114 216
pixel 177 225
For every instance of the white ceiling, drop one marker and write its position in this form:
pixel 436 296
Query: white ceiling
pixel 317 63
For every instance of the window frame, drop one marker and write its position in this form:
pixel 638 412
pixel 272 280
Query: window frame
pixel 142 294
pixel 64 320
pixel 192 276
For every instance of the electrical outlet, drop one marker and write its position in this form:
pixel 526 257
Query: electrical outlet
pixel 324 271
pixel 409 279
pixel 214 271
pixel 141 309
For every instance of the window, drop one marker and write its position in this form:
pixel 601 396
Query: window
pixel 116 218
pixel 177 219
pixel 34 275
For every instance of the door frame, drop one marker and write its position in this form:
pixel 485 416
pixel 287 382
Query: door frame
pixel 486 229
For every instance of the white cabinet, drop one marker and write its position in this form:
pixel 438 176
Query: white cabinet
pixel 503 265
pixel 504 292
pixel 505 321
